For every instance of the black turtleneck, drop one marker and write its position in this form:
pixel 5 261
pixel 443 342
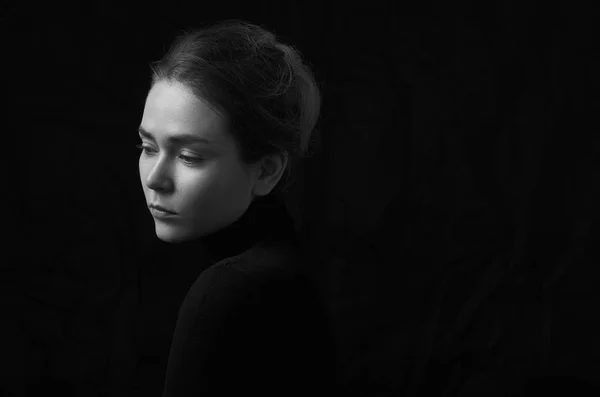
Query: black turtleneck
pixel 251 321
pixel 267 217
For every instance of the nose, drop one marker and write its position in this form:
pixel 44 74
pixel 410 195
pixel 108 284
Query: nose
pixel 158 178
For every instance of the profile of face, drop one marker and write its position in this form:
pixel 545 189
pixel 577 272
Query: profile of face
pixel 190 165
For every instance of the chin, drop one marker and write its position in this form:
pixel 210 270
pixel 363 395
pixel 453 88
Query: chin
pixel 169 235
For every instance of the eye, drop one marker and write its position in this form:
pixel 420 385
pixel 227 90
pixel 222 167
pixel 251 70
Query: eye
pixel 145 149
pixel 191 159
pixel 187 159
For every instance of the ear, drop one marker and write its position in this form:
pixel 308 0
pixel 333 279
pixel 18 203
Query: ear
pixel 272 169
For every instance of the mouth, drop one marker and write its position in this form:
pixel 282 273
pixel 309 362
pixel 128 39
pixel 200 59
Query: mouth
pixel 162 209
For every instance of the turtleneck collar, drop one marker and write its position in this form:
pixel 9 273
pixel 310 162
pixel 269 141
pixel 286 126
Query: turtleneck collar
pixel 266 217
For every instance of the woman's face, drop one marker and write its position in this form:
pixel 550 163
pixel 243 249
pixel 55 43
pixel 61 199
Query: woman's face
pixel 190 165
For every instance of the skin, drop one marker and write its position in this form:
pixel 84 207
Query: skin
pixel 207 185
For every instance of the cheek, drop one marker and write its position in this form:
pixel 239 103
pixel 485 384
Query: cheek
pixel 230 181
pixel 196 186
pixel 142 168
pixel 212 186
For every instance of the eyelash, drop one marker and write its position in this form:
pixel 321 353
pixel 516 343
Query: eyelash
pixel 186 159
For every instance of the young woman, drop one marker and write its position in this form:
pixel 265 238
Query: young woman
pixel 230 111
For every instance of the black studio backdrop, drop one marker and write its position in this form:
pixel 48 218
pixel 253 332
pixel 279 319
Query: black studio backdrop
pixel 451 210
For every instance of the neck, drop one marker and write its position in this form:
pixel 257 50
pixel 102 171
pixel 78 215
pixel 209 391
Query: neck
pixel 266 217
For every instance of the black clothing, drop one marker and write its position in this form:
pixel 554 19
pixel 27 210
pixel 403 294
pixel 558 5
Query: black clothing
pixel 252 322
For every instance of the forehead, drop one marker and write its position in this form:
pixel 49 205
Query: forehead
pixel 171 107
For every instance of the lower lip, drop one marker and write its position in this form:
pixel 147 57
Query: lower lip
pixel 161 214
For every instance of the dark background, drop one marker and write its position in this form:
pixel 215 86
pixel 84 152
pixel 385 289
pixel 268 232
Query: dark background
pixel 452 207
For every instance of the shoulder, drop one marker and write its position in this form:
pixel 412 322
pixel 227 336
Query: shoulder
pixel 264 272
pixel 268 260
pixel 252 317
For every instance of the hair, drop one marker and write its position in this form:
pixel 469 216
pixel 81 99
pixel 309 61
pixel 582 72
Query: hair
pixel 262 86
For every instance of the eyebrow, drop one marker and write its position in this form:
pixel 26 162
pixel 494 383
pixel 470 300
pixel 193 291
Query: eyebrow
pixel 176 139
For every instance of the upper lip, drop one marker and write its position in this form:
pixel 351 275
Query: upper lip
pixel 161 208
